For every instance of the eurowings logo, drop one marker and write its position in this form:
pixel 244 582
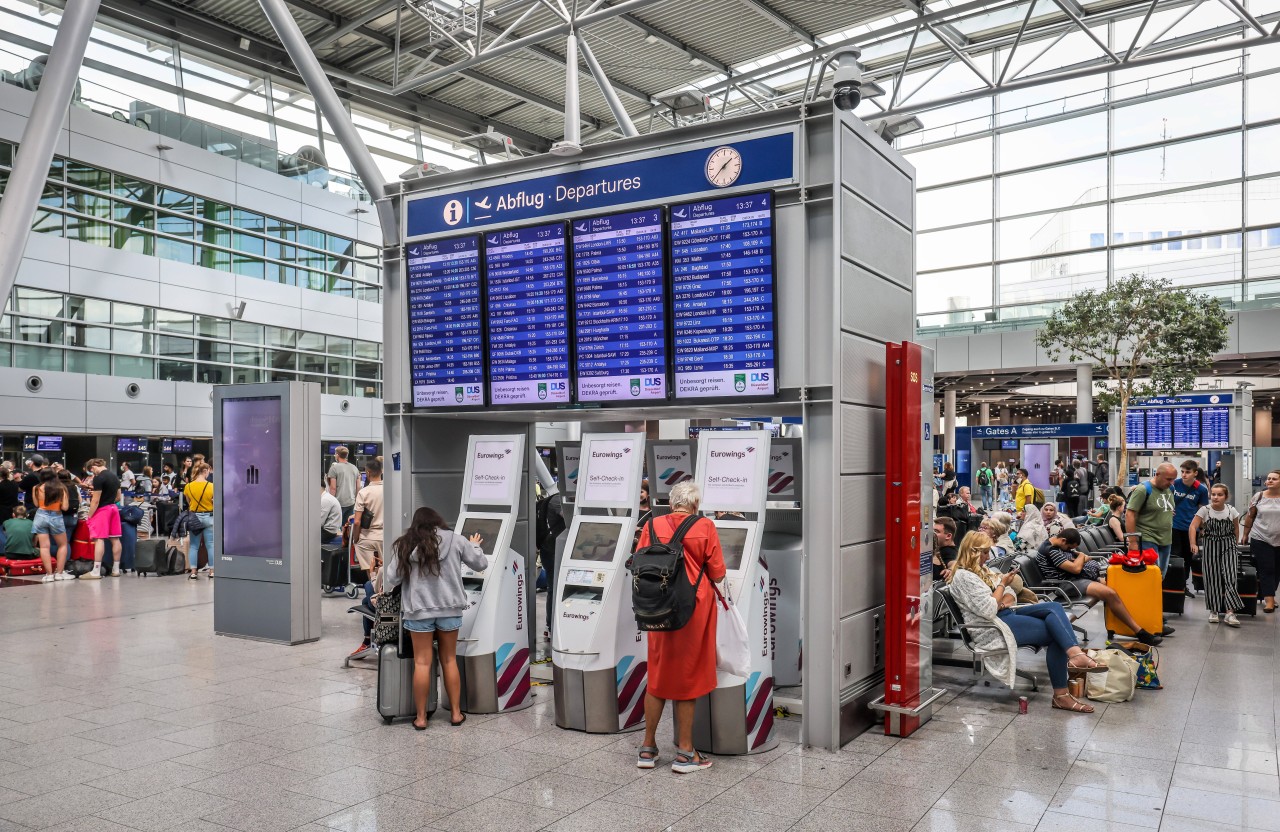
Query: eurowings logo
pixel 671 476
pixel 779 482
pixel 515 569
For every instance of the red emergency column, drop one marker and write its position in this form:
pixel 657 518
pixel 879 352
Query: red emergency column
pixel 908 672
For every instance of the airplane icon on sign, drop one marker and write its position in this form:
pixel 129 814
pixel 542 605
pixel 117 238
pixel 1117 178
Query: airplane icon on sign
pixel 482 203
pixel 680 213
pixel 493 241
pixel 582 228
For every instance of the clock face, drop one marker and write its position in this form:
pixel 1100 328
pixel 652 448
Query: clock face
pixel 723 166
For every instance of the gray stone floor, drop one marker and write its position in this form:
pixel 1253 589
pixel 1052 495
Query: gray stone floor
pixel 119 710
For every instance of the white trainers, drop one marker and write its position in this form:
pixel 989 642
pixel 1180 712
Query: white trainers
pixel 1231 620
pixel 48 579
pixel 1213 618
pixel 64 576
pixel 115 571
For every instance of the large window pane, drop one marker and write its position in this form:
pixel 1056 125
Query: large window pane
pixel 127 314
pixel 954 206
pixel 175 370
pixel 1031 146
pixel 278 337
pixel 1055 187
pixel 1183 212
pixel 93 363
pixel 87 176
pixel 965 160
pixel 959 289
pixel 88 309
pixel 1177 116
pixel 131 367
pixel 246 332
pixel 1052 277
pixel 1264 150
pixel 1264 97
pixel 171 321
pixel 1211 259
pixel 38 301
pixel 1175 166
pixel 958 247
pixel 177 347
pixel 96 337
pixel 37 330
pixel 36 358
pixel 132 343
pixel 1264 201
pixel 1044 234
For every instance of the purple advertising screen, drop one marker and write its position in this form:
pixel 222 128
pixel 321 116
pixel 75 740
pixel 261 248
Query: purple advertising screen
pixel 182 446
pixel 250 478
pixel 49 443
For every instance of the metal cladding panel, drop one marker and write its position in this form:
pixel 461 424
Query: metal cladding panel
pixel 862 440
pixel 861 646
pixel 720 28
pixel 873 307
pixel 877 176
pixel 824 18
pixel 861 577
pixel 872 239
pixel 861 371
pixel 861 508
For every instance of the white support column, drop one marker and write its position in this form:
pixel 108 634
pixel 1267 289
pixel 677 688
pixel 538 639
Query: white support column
pixel 1006 415
pixel 937 420
pixel 1084 393
pixel 1262 426
pixel 40 136
pixel 984 414
pixel 949 446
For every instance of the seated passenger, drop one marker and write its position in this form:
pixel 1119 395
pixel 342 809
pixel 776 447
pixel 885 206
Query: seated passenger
pixel 997 525
pixel 944 546
pixel 1054 521
pixel 1058 561
pixel 19 537
pixel 1031 531
pixel 985 597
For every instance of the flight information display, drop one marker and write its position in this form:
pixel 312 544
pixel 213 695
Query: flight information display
pixel 527 280
pixel 1186 427
pixel 1215 427
pixel 619 307
pixel 1159 428
pixel 1135 429
pixel 446 333
pixel 722 273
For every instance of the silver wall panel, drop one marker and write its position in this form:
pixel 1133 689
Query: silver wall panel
pixel 984 351
pixel 268 202
pixel 113 417
pixel 256 178
pixel 871 239
pixel 861 577
pixel 889 318
pixel 45 249
pixel 185 168
pixel 198 421
pixel 862 376
pixel 114 261
pixel 862 438
pixel 150 392
pixel 861 508
pixel 1017 349
pixel 861 646
pixel 954 359
pixel 54 277
pixel 1258 330
pixel 868 171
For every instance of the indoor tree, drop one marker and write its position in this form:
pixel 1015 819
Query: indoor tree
pixel 1144 337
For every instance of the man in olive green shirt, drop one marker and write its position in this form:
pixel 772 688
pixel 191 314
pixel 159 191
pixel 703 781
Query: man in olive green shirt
pixel 1150 513
pixel 17 535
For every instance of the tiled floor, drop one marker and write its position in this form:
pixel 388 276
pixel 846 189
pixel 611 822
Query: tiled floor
pixel 119 710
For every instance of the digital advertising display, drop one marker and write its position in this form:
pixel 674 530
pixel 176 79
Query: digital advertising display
pixel 446 330
pixel 182 446
pixel 131 444
pixel 1135 429
pixel 619 307
pixel 369 449
pixel 1159 428
pixel 722 269
pixel 52 444
pixel 1215 427
pixel 249 478
pixel 1186 427
pixel 526 281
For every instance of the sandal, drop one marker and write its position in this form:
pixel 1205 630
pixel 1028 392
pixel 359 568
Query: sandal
pixel 1076 705
pixel 650 761
pixel 689 761
pixel 1076 670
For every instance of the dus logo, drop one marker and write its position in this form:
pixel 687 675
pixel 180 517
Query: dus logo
pixel 759 376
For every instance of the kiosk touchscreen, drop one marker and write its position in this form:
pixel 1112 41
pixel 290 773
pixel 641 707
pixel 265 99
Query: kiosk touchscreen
pixel 493 644
pixel 733 471
pixel 599 656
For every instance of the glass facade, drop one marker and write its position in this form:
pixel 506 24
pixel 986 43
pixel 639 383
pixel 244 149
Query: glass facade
pixel 43 330
pixel 112 210
pixel 1168 170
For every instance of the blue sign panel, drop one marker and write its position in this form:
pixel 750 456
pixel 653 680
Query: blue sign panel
pixel 446 335
pixel 723 290
pixel 527 285
pixel 1041 431
pixel 1135 430
pixel 131 444
pixel 759 161
pixel 1215 427
pixel 1159 428
pixel 1186 427
pixel 620 320
pixel 1183 401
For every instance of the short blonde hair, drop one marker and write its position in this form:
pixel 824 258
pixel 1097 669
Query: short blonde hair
pixel 686 495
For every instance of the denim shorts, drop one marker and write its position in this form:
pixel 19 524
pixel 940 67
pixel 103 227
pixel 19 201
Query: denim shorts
pixel 430 625
pixel 48 522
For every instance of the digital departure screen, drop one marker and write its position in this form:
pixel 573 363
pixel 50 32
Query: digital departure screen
pixel 1159 428
pixel 1008 444
pixel 723 297
pixel 182 446
pixel 1186 427
pixel 1215 427
pixel 527 282
pixel 733 543
pixel 131 444
pixel 53 444
pixel 595 541
pixel 1135 429
pixel 446 333
pixel 487 527
pixel 620 307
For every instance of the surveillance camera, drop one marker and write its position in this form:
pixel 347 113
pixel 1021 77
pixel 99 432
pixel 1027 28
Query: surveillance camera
pixel 846 91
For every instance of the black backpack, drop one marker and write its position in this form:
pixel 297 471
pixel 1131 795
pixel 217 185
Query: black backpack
pixel 661 595
pixel 984 477
pixel 1071 487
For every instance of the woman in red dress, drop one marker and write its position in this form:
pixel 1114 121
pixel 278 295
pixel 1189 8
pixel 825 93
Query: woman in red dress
pixel 682 663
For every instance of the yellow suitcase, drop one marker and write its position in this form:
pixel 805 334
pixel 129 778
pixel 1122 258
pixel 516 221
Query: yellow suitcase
pixel 1141 592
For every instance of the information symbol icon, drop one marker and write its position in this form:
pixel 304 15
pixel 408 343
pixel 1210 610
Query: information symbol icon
pixel 453 212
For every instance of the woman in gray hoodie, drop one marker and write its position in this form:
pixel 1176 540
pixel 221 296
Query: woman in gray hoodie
pixel 426 563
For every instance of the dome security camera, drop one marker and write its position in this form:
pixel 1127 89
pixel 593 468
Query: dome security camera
pixel 35 383
pixel 846 90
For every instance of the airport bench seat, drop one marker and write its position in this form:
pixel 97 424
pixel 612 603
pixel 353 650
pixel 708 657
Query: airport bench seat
pixel 966 632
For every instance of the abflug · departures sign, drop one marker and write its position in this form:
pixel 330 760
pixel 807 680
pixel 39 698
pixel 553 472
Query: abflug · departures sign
pixel 757 161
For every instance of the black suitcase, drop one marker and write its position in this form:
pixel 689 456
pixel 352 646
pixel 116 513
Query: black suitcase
pixel 333 567
pixel 149 557
pixel 1247 586
pixel 1197 573
pixel 166 514
pixel 1174 586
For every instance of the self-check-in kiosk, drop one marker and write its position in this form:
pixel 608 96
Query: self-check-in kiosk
pixel 732 473
pixel 493 644
pixel 783 546
pixel 599 656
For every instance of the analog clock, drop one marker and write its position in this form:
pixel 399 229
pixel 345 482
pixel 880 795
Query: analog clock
pixel 723 166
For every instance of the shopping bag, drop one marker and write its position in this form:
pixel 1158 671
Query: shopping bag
pixel 1120 680
pixel 732 652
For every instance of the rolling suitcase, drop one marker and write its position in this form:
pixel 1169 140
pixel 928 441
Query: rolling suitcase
pixel 1140 589
pixel 81 560
pixel 333 567
pixel 149 556
pixel 1197 573
pixel 395 685
pixel 1247 586
pixel 1174 586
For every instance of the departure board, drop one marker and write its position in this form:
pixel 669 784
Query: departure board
pixel 1135 429
pixel 619 307
pixel 1159 428
pixel 722 272
pixel 446 334
pixel 526 279
pixel 1186 427
pixel 1215 427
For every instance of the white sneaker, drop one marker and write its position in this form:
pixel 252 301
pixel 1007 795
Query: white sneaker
pixel 1213 618
pixel 92 575
pixel 64 576
pixel 48 579
pixel 115 571
pixel 1231 620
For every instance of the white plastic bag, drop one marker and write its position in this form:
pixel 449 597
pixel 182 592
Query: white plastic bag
pixel 732 652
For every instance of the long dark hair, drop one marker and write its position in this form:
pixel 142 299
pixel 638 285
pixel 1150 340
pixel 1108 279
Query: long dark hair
pixel 420 537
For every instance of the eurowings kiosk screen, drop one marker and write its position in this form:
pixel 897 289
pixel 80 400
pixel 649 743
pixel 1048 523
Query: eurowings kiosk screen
pixel 599 656
pixel 670 463
pixel 493 644
pixel 733 474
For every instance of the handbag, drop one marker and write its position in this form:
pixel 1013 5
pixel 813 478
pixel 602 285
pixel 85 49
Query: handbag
pixel 1148 659
pixel 386 626
pixel 733 655
pixel 1120 680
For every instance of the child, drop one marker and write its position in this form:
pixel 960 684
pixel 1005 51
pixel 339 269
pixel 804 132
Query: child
pixel 19 538
pixel 1220 525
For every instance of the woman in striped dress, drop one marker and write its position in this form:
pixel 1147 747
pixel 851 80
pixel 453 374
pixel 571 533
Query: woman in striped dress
pixel 1218 525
